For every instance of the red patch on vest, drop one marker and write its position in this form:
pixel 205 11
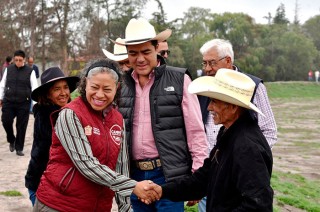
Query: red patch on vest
pixel 116 134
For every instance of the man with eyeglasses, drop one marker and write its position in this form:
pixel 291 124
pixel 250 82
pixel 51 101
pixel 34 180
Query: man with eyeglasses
pixel 18 81
pixel 217 54
pixel 163 49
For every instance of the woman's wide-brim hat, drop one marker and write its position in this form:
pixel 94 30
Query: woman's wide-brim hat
pixel 228 86
pixel 49 77
pixel 119 51
pixel 140 31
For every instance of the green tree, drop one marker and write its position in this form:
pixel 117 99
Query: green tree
pixel 194 32
pixel 284 54
pixel 238 28
pixel 312 30
pixel 280 17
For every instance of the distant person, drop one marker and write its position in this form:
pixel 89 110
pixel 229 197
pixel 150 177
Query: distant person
pixel 53 94
pixel 163 49
pixel 30 62
pixel 316 75
pixel 6 63
pixel 165 134
pixel 119 55
pixel 310 75
pixel 216 54
pixel 236 176
pixel 18 81
pixel 33 66
pixel 88 159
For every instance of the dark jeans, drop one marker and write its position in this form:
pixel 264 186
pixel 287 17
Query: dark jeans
pixel 163 205
pixel 20 111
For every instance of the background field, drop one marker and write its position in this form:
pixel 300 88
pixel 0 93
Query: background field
pixel 296 176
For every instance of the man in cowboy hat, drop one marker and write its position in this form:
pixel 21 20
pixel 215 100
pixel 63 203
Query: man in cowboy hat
pixel 163 122
pixel 119 55
pixel 236 176
pixel 216 54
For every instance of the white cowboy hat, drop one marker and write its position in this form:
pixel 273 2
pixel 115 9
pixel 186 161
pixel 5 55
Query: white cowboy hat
pixel 228 86
pixel 119 51
pixel 141 31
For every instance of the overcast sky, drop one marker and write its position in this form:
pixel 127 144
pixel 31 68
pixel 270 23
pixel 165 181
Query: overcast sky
pixel 255 8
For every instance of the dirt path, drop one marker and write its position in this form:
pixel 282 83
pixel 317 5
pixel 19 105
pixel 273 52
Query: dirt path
pixel 13 169
pixel 296 151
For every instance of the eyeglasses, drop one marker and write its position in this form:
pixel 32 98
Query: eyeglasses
pixel 211 63
pixel 126 62
pixel 163 52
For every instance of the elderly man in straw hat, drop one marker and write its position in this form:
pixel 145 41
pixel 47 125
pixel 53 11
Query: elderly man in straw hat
pixel 119 55
pixel 236 176
pixel 163 122
pixel 216 54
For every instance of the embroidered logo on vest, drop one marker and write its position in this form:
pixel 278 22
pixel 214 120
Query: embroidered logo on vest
pixel 96 131
pixel 88 130
pixel 169 88
pixel 116 134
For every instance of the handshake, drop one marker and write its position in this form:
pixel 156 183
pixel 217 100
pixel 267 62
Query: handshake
pixel 147 191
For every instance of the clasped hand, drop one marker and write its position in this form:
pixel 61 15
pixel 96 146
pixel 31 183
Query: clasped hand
pixel 147 191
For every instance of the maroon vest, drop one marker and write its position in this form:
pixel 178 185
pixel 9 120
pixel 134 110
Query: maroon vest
pixel 62 186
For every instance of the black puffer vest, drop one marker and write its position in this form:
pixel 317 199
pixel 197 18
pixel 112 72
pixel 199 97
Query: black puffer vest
pixel 166 116
pixel 18 86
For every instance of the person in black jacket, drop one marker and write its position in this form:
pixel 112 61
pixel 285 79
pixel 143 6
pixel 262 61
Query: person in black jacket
pixel 17 83
pixel 53 94
pixel 236 176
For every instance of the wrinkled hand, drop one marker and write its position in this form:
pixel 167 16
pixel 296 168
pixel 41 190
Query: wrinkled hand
pixel 192 202
pixel 145 190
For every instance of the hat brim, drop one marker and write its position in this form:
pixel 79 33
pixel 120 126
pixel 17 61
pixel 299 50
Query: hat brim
pixel 44 88
pixel 164 35
pixel 206 86
pixel 114 57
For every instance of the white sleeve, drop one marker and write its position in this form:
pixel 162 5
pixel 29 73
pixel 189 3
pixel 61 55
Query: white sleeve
pixel 33 80
pixel 3 84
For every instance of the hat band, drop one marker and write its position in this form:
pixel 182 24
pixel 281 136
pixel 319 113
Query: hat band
pixel 120 54
pixel 234 89
pixel 133 41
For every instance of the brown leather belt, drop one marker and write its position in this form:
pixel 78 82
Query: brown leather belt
pixel 147 165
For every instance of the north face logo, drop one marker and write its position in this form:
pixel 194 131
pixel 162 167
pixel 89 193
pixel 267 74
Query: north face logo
pixel 169 88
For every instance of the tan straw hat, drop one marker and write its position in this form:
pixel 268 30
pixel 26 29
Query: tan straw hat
pixel 228 86
pixel 140 31
pixel 119 51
